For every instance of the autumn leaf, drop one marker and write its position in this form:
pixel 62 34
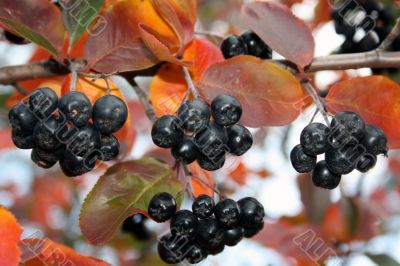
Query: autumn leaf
pixel 360 95
pixel 44 252
pixel 281 30
pixel 125 189
pixel 202 181
pixel 168 86
pixel 10 232
pixel 270 95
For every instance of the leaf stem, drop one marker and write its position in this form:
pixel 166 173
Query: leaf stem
pixel 317 100
pixel 394 33
pixel 189 82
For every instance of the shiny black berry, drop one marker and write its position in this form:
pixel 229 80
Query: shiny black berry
pixel 302 162
pixel 109 114
pixel 166 132
pixel 172 249
pixel 184 223
pixel 250 232
pixel 186 151
pixel 366 162
pixel 233 46
pixel 251 212
pixel 232 237
pixel 226 110
pixel 216 250
pixel 256 46
pixel 22 119
pixel 314 139
pixel 194 115
pixel 240 139
pixel 342 161
pixel 86 142
pixel 374 140
pixel 76 107
pixel 25 142
pixel 162 207
pixel 368 42
pixel 211 163
pixel 109 147
pixel 203 206
pixel 350 122
pixel 210 234
pixel 45 134
pixel 39 161
pixel 43 102
pixel 196 254
pixel 136 226
pixel 212 141
pixel 73 165
pixel 50 156
pixel 227 213
pixel 325 178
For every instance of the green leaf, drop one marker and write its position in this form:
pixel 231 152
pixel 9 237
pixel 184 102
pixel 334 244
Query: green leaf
pixel 78 17
pixel 383 259
pixel 125 189
pixel 29 34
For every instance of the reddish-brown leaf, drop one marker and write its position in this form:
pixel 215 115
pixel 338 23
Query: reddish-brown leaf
pixel 10 232
pixel 270 95
pixel 44 252
pixel 375 98
pixel 281 30
pixel 203 181
pixel 322 13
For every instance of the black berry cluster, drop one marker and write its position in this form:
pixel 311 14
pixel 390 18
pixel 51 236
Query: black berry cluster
pixel 68 130
pixel 348 144
pixel 136 226
pixel 205 230
pixel 248 43
pixel 192 136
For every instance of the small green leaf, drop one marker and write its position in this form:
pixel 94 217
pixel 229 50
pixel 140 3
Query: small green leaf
pixel 125 189
pixel 383 259
pixel 78 17
pixel 29 34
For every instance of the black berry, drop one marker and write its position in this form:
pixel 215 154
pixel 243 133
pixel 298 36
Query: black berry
pixel 314 139
pixel 50 156
pixel 374 140
pixel 184 223
pixel 40 161
pixel 86 142
pixel 22 119
pixel 74 165
pixel 162 207
pixel 240 139
pixel 109 147
pixel 196 254
pixel 15 39
pixel 256 46
pixel 233 46
pixel 166 132
pixel 325 178
pixel 43 102
pixel 172 249
pixel 342 161
pixel 232 237
pixel 109 114
pixel 216 250
pixel 226 110
pixel 22 141
pixel 302 162
pixel 194 115
pixel 203 206
pixel 366 163
pixel 251 212
pixel 227 213
pixel 212 141
pixel 351 123
pixel 211 164
pixel 210 234
pixel 45 133
pixel 135 225
pixel 250 232
pixel 76 107
pixel 186 151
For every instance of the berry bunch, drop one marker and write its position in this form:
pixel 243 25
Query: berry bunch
pixel 135 225
pixel 192 136
pixel 60 129
pixel 205 230
pixel 248 43
pixel 348 144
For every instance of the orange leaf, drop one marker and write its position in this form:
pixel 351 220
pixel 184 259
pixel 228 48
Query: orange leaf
pixel 322 13
pixel 360 95
pixel 199 187
pixel 44 252
pixel 168 87
pixel 10 232
pixel 335 224
pixel 270 95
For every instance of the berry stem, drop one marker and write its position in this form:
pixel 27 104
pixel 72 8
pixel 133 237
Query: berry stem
pixel 394 33
pixel 144 100
pixel 20 90
pixel 74 80
pixel 314 95
pixel 189 82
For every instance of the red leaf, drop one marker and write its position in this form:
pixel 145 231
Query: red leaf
pixel 360 95
pixel 44 252
pixel 281 30
pixel 203 182
pixel 10 232
pixel 39 15
pixel 270 95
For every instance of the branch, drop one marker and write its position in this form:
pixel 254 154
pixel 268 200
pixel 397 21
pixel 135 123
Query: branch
pixel 394 33
pixel 314 95
pixel 144 100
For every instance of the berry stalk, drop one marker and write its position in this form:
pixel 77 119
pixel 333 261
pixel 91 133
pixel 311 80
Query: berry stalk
pixel 311 91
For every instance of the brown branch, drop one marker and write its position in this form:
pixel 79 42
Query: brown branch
pixel 394 33
pixel 144 100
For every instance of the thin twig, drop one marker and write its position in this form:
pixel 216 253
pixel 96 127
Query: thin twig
pixel 394 33
pixel 314 115
pixel 314 95
pixel 189 82
pixel 144 100
pixel 188 183
pixel 20 90
pixel 74 80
